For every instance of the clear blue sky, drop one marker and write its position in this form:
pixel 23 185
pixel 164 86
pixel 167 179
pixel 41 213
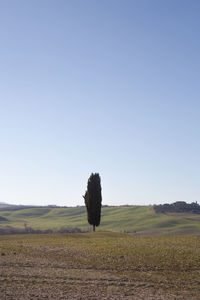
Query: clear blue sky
pixel 102 86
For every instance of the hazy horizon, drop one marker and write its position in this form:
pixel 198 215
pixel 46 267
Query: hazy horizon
pixel 99 86
pixel 83 204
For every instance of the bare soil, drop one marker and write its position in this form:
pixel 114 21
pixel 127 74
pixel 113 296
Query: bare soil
pixel 38 270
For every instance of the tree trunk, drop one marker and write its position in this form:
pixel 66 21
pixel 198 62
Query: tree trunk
pixel 93 227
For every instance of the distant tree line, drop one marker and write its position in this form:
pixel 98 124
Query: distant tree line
pixel 178 207
pixel 13 230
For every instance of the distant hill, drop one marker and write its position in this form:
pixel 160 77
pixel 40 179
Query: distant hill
pixel 3 204
pixel 139 220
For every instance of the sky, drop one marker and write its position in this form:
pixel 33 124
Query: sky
pixel 108 86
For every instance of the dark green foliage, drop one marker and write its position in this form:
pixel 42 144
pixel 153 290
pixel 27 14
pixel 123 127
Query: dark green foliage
pixel 178 207
pixel 93 200
pixel 3 219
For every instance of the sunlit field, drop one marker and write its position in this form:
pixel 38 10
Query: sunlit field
pixel 140 220
pixel 100 265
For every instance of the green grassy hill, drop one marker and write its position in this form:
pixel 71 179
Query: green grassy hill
pixel 141 220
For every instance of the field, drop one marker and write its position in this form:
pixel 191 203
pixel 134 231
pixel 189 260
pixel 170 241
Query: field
pixel 140 220
pixel 101 265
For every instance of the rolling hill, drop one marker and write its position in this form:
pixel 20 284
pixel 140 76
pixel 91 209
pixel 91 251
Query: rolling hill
pixel 140 220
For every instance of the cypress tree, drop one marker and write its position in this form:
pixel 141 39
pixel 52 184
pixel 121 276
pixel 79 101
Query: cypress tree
pixel 93 200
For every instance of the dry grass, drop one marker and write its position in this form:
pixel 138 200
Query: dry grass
pixel 99 266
